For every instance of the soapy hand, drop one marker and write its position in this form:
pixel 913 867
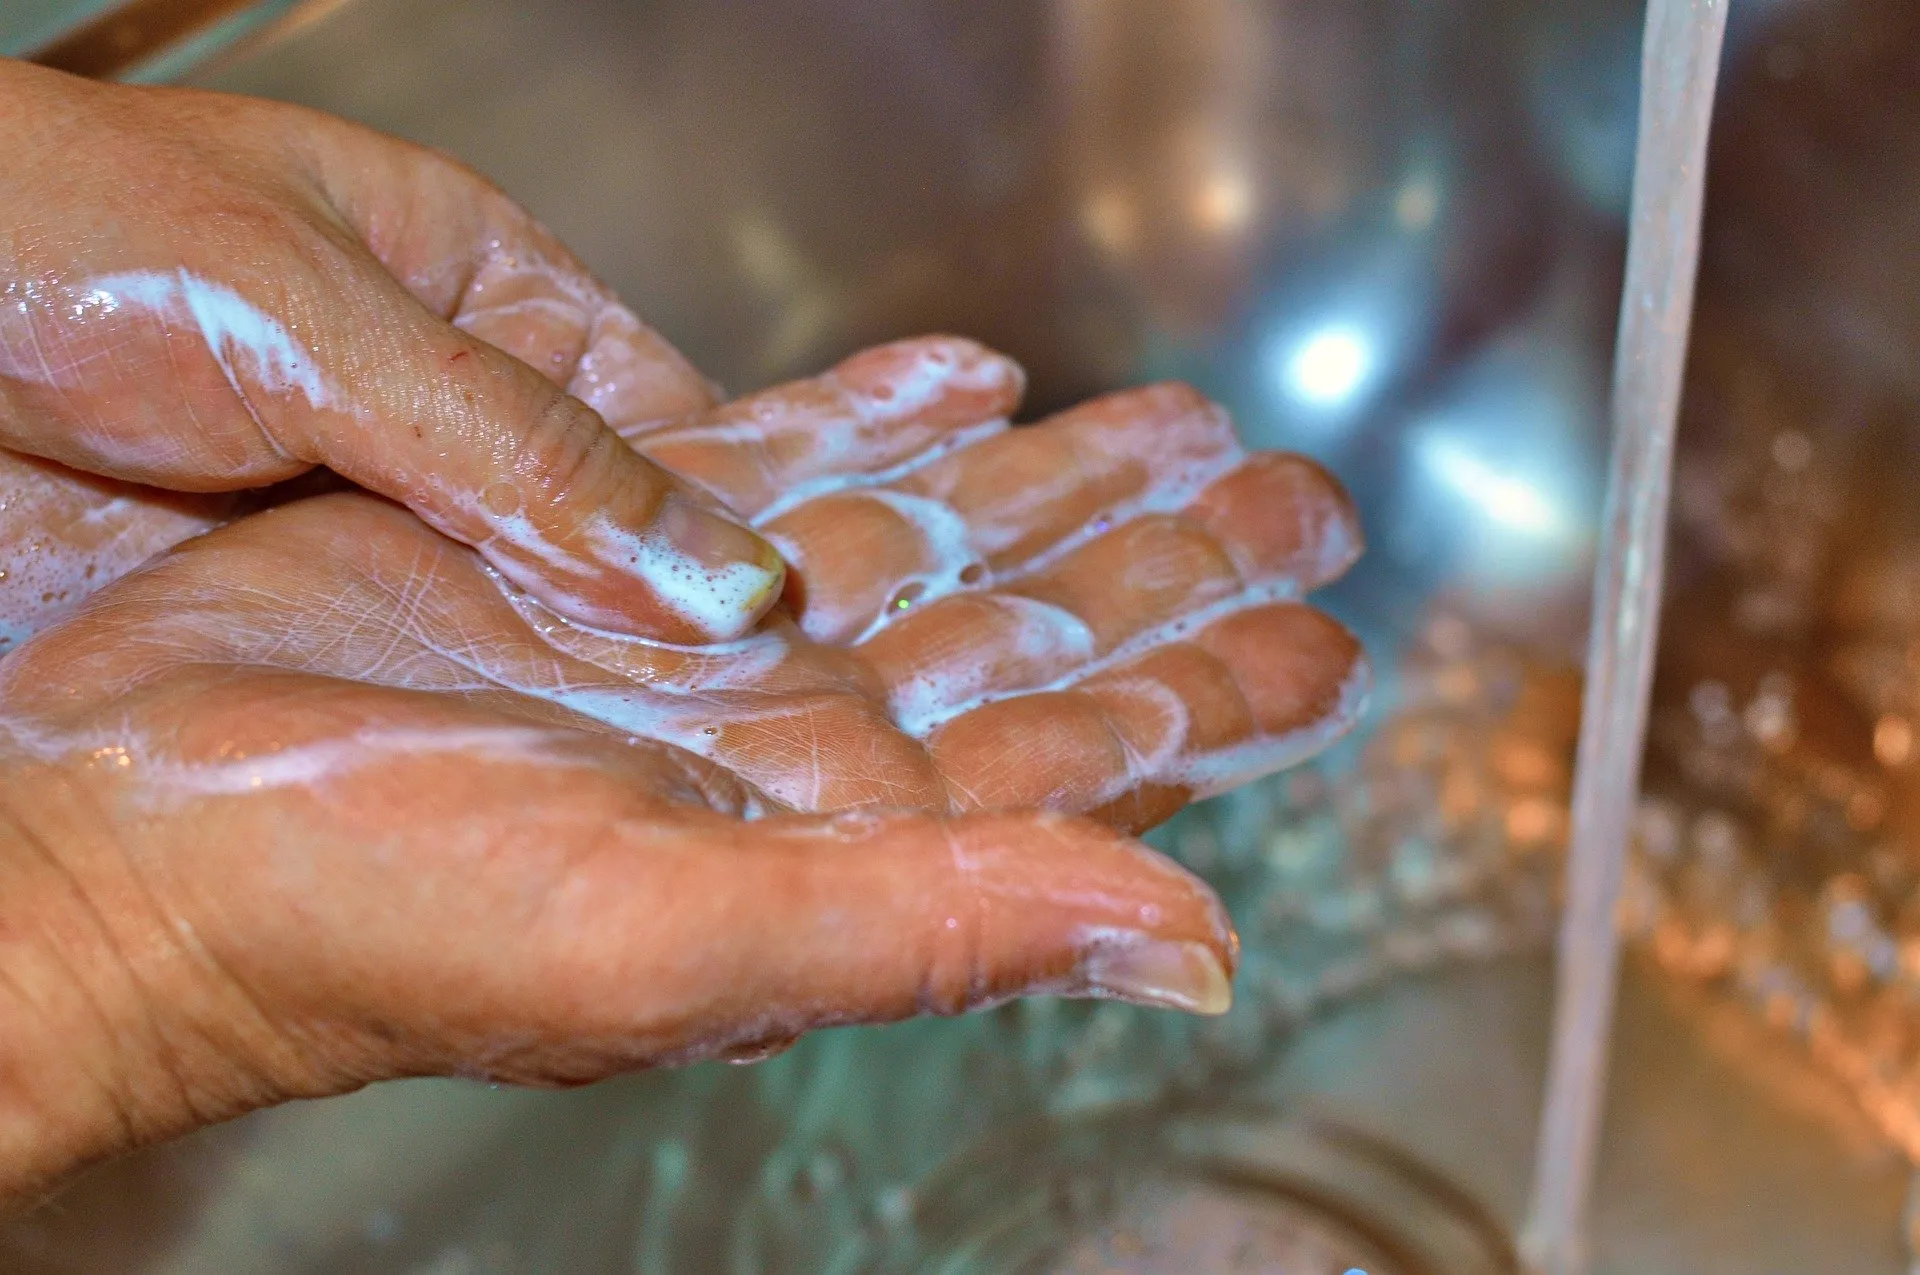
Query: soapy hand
pixel 207 293
pixel 323 797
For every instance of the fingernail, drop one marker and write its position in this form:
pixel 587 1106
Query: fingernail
pixel 736 576
pixel 757 1051
pixel 1159 972
pixel 714 541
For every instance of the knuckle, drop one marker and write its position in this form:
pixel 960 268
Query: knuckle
pixel 563 448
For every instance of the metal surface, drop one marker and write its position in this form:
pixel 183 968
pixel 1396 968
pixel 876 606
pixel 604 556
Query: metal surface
pixel 1384 232
pixel 26 25
pixel 130 34
pixel 1208 1189
pixel 152 41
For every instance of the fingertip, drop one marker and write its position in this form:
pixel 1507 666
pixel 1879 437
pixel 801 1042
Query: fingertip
pixel 978 379
pixel 716 575
pixel 886 915
pixel 642 583
pixel 1082 910
pixel 604 537
pixel 1296 665
pixel 1160 974
pixel 1282 515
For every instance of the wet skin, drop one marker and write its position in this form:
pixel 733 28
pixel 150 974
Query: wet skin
pixel 208 293
pixel 327 796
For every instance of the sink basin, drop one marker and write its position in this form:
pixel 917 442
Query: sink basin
pixel 1385 233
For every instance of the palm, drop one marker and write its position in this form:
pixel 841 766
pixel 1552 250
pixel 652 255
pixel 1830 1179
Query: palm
pixel 1091 616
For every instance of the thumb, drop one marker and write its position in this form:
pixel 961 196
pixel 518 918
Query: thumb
pixel 492 453
pixel 536 478
pixel 875 917
pixel 309 293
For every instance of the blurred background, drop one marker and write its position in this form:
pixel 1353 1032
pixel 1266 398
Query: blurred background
pixel 1387 233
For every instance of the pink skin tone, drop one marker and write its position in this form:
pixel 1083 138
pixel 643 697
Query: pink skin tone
pixel 360 807
pixel 329 795
pixel 208 294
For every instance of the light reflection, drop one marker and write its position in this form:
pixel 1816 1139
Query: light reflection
pixel 1893 740
pixel 1504 498
pixel 1224 202
pixel 1329 366
pixel 1417 203
pixel 1108 217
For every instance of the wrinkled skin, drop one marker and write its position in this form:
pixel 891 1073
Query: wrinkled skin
pixel 329 795
pixel 207 294
pixel 318 798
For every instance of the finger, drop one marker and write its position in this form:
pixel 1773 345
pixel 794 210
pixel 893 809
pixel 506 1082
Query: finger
pixel 861 557
pixel 1143 576
pixel 1281 517
pixel 502 459
pixel 1039 491
pixel 474 256
pixel 1002 508
pixel 580 520
pixel 1275 527
pixel 543 308
pixel 1248 695
pixel 621 931
pixel 884 409
pixel 797 923
pixel 315 329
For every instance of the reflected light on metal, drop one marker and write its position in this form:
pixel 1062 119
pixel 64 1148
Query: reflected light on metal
pixel 1417 203
pixel 1109 217
pixel 1224 202
pixel 1329 366
pixel 1503 498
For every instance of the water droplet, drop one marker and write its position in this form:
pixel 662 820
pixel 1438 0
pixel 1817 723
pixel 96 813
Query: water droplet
pixel 852 825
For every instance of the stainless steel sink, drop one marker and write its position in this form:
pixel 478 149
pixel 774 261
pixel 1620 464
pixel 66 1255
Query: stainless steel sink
pixel 1385 232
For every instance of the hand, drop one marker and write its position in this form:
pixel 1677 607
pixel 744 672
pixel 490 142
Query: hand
pixel 208 293
pixel 66 534
pixel 318 798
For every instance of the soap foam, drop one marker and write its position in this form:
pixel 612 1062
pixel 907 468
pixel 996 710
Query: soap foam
pixel 67 535
pixel 244 340
pixel 312 765
pixel 712 599
pixel 1042 635
pixel 833 484
pixel 932 712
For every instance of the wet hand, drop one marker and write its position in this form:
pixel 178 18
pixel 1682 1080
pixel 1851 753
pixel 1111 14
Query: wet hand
pixel 207 293
pixel 321 797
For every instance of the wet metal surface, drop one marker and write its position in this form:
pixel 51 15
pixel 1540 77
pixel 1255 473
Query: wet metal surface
pixel 1385 233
